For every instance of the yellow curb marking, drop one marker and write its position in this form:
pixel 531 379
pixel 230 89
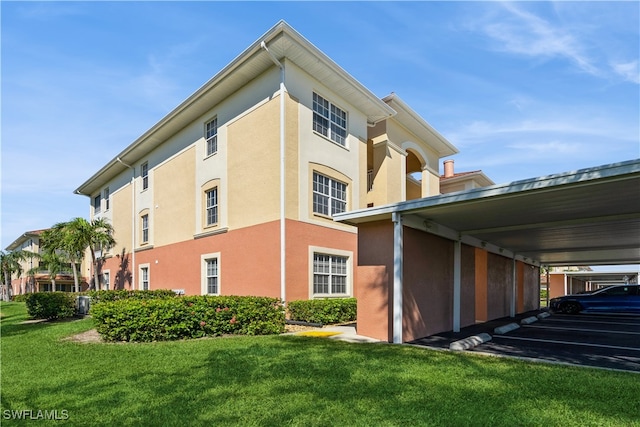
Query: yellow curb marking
pixel 318 333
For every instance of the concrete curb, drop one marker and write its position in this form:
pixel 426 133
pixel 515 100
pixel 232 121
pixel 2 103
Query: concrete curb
pixel 528 320
pixel 543 315
pixel 470 342
pixel 506 328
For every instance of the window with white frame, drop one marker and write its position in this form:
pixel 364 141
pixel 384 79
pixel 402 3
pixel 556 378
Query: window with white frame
pixel 330 274
pixel 212 206
pixel 212 276
pixel 329 195
pixel 145 228
pixel 106 198
pixel 329 120
pixel 144 173
pixel 96 204
pixel 105 280
pixel 211 136
pixel 210 273
pixel 144 278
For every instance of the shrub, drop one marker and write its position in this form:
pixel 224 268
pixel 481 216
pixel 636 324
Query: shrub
pixel 144 320
pixel 114 295
pixel 326 311
pixel 50 305
pixel 19 298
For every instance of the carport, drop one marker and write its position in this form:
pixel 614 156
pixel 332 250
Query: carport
pixel 425 265
pixel 572 282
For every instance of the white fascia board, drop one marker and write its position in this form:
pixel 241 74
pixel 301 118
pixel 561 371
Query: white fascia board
pixel 420 126
pixel 619 170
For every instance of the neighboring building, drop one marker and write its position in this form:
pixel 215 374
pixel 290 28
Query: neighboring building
pixel 234 190
pixel 451 181
pixel 576 279
pixel 33 278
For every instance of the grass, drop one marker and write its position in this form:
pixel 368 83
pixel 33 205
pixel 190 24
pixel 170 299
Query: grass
pixel 290 380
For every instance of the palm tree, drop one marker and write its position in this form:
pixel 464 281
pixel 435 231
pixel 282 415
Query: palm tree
pixel 10 262
pixel 62 237
pixel 97 234
pixel 53 262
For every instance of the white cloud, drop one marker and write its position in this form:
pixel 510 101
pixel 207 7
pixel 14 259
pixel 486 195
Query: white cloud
pixel 629 71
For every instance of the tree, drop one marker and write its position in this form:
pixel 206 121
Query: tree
pixel 54 263
pixel 64 237
pixel 95 234
pixel 10 262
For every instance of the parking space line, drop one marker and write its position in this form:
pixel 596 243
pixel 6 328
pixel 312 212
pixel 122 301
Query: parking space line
pixel 568 342
pixel 592 321
pixel 560 328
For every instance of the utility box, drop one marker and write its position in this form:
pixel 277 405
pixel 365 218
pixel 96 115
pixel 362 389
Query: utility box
pixel 83 303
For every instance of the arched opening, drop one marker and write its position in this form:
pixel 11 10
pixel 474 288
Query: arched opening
pixel 414 166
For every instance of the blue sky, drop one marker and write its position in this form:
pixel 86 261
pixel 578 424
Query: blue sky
pixel 523 89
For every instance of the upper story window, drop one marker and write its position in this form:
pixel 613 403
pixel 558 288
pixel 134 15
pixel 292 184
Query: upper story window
pixel 144 172
pixel 106 198
pixel 212 206
pixel 329 120
pixel 145 228
pixel 96 204
pixel 329 195
pixel 211 135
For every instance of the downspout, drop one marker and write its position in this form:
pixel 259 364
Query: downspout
pixel 133 222
pixel 398 266
pixel 283 264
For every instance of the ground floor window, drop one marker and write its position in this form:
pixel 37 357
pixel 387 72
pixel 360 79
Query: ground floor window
pixel 144 278
pixel 330 274
pixel 210 274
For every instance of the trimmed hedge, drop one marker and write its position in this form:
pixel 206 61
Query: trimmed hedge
pixel 145 320
pixel 114 295
pixel 19 298
pixel 51 305
pixel 325 311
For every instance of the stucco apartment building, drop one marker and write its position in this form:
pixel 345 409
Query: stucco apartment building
pixel 234 190
pixel 36 278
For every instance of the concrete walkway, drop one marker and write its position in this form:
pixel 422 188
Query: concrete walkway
pixel 341 333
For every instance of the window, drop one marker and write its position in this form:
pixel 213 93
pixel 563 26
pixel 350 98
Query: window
pixel 105 281
pixel 329 195
pixel 96 204
pixel 329 120
pixel 212 206
pixel 211 135
pixel 144 172
pixel 330 274
pixel 106 198
pixel 212 275
pixel 144 278
pixel 145 228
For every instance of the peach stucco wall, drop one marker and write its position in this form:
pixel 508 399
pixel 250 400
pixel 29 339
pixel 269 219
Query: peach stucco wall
pixel 302 235
pixel 249 260
pixel 427 284
pixel 375 280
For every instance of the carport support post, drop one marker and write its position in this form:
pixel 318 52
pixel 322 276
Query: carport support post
pixel 457 263
pixel 398 262
pixel 514 287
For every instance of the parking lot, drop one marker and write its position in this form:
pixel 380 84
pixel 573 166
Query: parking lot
pixel 604 341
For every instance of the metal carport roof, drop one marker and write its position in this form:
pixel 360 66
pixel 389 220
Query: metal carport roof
pixel 584 217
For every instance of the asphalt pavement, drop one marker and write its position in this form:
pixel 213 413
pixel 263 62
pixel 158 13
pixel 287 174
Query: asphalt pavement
pixel 602 341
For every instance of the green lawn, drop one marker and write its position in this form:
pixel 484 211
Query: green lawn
pixel 288 380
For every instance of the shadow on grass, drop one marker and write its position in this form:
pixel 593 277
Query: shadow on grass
pixel 295 381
